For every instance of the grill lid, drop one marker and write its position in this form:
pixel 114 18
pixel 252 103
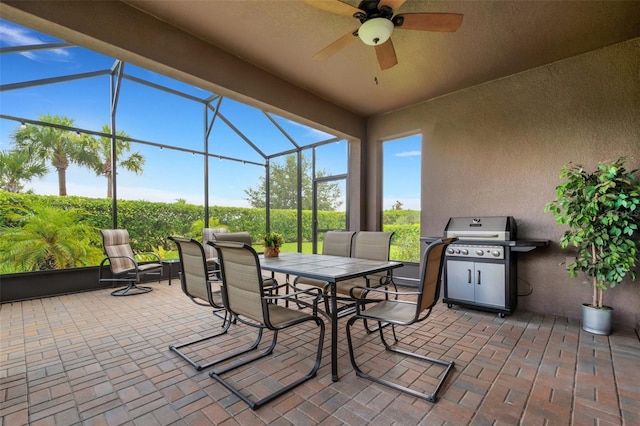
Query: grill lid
pixel 490 228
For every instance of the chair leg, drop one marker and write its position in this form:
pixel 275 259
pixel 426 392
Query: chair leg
pixel 347 308
pixel 370 330
pixel 216 374
pixel 131 290
pixel 176 348
pixel 431 397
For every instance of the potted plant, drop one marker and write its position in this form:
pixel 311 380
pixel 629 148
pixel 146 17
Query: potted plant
pixel 602 210
pixel 272 242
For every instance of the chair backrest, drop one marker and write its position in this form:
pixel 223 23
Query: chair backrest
pixel 209 234
pixel 116 243
pixel 193 268
pixel 431 273
pixel 241 278
pixel 372 245
pixel 337 243
pixel 239 237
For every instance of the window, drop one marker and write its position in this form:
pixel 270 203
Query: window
pixel 401 196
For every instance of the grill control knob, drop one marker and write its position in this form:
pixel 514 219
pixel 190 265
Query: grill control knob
pixel 450 250
pixel 496 253
pixel 464 251
pixel 479 252
pixel 457 251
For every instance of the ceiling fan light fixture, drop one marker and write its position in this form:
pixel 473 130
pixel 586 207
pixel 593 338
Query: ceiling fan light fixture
pixel 375 31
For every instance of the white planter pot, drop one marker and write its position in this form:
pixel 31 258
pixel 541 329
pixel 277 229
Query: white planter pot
pixel 597 321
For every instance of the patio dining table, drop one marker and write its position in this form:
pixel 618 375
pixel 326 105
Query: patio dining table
pixel 331 269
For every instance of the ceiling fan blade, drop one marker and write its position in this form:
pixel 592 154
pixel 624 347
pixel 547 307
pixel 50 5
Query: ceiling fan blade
pixel 441 22
pixel 386 55
pixel 393 4
pixel 334 47
pixel 334 6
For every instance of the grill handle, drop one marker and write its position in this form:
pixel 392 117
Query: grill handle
pixel 469 279
pixel 453 234
pixel 478 277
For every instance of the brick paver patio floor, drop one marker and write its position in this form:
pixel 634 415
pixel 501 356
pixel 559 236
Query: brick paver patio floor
pixel 94 359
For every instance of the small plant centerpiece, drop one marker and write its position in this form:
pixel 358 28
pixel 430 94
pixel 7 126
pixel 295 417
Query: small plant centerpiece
pixel 272 242
pixel 602 211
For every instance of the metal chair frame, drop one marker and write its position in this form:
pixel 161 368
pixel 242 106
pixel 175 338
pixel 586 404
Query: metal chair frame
pixel 131 276
pixel 203 278
pixel 262 320
pixel 426 298
pixel 363 250
pixel 336 243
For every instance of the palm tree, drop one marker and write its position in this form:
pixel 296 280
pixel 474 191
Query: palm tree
pixel 59 146
pixel 102 150
pixel 16 167
pixel 48 238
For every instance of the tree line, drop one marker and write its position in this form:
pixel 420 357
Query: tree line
pixel 35 148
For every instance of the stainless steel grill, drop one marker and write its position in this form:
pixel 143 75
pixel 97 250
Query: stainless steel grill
pixel 480 270
pixel 481 266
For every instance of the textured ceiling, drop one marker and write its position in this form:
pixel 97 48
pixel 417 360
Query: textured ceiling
pixel 496 39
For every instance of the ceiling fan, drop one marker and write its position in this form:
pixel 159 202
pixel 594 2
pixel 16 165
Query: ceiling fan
pixel 377 22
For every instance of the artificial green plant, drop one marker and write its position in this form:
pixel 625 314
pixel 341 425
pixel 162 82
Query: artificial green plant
pixel 602 210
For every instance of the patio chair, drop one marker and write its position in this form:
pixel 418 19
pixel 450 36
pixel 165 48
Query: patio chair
pixel 372 245
pixel 240 237
pixel 209 234
pixel 124 267
pixel 202 287
pixel 403 309
pixel 336 243
pixel 245 298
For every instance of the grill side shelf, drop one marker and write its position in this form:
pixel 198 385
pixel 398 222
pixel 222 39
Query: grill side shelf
pixel 521 246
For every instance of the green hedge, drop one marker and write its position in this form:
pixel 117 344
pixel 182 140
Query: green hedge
pixel 405 244
pixel 149 223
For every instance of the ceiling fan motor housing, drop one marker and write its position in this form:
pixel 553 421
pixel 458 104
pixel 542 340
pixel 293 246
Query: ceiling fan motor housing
pixel 371 10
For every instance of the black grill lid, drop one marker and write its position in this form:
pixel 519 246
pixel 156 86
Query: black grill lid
pixel 488 228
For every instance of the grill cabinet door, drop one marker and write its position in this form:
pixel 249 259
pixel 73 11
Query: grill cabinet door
pixel 489 284
pixel 476 282
pixel 460 280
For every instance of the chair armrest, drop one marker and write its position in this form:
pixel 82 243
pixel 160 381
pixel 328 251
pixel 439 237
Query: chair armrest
pixel 365 290
pixel 382 280
pixel 212 275
pixel 285 296
pixel 292 297
pixel 362 301
pixel 121 257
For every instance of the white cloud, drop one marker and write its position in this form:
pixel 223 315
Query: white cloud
pixel 16 36
pixel 311 132
pixel 408 154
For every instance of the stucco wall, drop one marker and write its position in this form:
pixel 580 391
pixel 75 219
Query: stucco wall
pixel 496 149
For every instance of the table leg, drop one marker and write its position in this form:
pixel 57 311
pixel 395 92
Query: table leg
pixel 334 334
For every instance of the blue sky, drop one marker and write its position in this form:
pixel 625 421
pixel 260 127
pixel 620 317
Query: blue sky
pixel 155 116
